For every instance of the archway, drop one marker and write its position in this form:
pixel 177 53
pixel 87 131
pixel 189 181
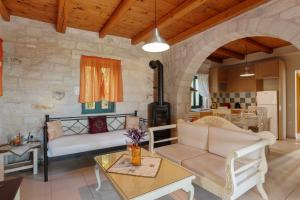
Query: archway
pixel 194 51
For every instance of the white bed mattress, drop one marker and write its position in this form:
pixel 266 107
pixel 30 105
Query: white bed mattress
pixel 86 142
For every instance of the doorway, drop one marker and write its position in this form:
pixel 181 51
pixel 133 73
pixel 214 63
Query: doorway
pixel 297 103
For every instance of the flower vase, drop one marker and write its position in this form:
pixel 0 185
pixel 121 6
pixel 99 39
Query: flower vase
pixel 136 155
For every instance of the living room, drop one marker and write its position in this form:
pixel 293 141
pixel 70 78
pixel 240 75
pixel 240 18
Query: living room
pixel 47 50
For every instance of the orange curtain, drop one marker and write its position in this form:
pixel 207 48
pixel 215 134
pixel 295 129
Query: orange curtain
pixel 1 67
pixel 100 79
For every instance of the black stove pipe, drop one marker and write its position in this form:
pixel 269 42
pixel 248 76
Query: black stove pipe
pixel 157 64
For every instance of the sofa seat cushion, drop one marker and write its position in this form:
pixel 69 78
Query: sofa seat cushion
pixel 179 152
pixel 212 167
pixel 224 141
pixel 86 142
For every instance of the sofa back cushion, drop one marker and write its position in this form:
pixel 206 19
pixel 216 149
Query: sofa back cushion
pixel 97 124
pixel 224 141
pixel 194 135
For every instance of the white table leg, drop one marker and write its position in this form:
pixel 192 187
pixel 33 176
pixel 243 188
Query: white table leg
pixel 35 161
pixel 17 197
pixel 190 189
pixel 1 167
pixel 98 177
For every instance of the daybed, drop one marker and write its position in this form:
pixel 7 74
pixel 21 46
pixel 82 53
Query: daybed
pixel 227 161
pixel 76 140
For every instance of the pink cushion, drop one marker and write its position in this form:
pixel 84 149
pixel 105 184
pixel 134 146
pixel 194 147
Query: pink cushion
pixel 54 130
pixel 194 135
pixel 132 122
pixel 224 141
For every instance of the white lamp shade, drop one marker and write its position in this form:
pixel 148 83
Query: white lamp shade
pixel 247 74
pixel 156 43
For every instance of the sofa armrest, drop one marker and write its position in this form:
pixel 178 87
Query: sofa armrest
pixel 159 128
pixel 261 164
pixel 250 149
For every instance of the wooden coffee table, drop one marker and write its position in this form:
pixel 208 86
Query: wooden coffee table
pixel 170 178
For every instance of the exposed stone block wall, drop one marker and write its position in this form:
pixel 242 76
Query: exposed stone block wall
pixel 41 73
pixel 277 18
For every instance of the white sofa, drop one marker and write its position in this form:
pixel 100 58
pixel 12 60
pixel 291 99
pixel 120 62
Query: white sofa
pixel 227 161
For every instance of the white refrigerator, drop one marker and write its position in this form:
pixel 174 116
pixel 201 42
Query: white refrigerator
pixel 268 100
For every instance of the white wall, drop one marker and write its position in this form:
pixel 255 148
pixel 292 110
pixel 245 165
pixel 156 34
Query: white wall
pixel 40 64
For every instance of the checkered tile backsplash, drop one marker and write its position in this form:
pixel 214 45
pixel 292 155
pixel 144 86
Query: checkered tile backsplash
pixel 244 98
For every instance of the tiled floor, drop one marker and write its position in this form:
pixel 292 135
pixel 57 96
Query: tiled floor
pixel 74 179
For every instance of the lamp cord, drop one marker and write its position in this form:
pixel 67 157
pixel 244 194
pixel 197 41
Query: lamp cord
pixel 246 64
pixel 155 14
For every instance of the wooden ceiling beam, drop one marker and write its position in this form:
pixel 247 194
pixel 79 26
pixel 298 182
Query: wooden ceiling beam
pixel 217 19
pixel 174 15
pixel 229 53
pixel 116 16
pixel 62 15
pixel 215 59
pixel 263 48
pixel 3 11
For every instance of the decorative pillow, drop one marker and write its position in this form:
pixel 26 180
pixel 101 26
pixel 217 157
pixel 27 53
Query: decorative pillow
pixel 97 124
pixel 54 130
pixel 132 122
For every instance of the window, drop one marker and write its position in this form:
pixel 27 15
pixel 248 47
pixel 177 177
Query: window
pixel 100 84
pixel 100 79
pixel 196 98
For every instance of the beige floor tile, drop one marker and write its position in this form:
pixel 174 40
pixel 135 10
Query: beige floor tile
pixel 71 186
pixel 32 189
pixel 295 194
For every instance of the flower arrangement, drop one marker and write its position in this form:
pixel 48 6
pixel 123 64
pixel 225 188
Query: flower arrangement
pixel 136 135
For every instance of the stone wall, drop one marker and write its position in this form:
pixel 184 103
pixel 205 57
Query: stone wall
pixel 41 73
pixel 277 18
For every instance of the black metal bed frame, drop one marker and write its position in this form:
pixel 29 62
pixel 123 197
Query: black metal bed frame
pixel 77 121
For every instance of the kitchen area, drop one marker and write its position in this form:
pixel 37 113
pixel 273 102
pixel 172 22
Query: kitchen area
pixel 251 96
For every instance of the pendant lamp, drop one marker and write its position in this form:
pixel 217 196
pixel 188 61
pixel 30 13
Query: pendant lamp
pixel 246 73
pixel 156 42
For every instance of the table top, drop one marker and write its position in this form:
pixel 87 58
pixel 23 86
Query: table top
pixel 132 186
pixel 31 145
pixel 9 188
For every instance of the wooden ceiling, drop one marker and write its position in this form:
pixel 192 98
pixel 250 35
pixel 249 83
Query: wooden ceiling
pixel 239 48
pixel 134 19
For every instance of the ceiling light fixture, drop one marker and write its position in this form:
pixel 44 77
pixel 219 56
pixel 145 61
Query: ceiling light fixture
pixel 246 73
pixel 156 43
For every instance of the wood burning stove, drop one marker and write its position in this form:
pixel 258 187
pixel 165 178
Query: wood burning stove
pixel 159 111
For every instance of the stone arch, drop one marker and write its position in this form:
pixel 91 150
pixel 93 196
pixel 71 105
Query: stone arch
pixel 195 50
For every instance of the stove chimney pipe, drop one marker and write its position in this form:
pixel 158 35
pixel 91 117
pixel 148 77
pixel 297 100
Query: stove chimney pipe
pixel 157 64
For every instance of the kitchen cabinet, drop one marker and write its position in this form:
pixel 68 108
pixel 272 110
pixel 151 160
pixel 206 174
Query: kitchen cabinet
pixel 236 83
pixel 217 79
pixel 213 80
pixel 222 75
pixel 267 69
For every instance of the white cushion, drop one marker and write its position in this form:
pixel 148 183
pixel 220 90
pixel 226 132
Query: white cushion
pixel 224 141
pixel 194 135
pixel 178 152
pixel 86 142
pixel 212 167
